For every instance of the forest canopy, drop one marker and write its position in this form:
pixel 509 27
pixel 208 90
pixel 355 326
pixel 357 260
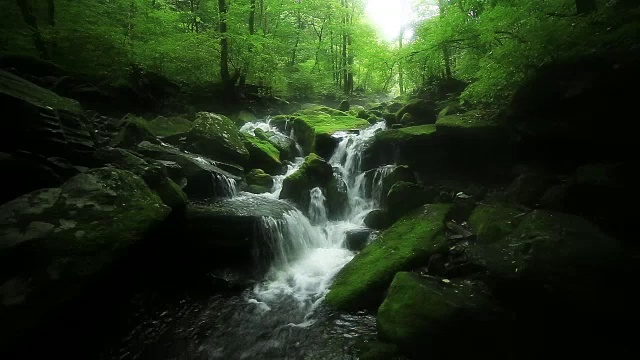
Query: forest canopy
pixel 316 47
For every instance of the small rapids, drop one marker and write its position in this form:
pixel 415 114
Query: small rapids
pixel 283 317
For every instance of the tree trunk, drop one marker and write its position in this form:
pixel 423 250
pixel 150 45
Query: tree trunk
pixel 252 17
pixel 586 6
pixel 224 49
pixel 30 20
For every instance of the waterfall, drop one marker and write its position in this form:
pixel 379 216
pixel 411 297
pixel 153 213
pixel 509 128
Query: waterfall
pixel 224 186
pixel 317 208
pixel 306 253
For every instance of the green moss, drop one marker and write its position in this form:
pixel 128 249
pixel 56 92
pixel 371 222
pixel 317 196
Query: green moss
pixel 407 244
pixel 492 223
pixel 262 154
pixel 162 126
pixel 259 178
pixel 417 309
pixel 216 136
pixel 408 133
pixel 305 134
pixel 172 195
pixel 15 86
pixel 325 120
pixel 468 120
pixel 135 131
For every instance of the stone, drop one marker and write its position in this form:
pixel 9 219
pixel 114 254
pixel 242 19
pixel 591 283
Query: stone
pixel 262 154
pixel 216 137
pixel 378 219
pixel 407 244
pixel 421 112
pixel 357 239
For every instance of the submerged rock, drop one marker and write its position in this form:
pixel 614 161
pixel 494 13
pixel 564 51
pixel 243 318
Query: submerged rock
pixel 425 317
pixel 408 244
pixel 54 242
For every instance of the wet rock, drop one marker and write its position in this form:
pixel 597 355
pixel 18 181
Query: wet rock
pixel 326 144
pixel 378 219
pixel 405 196
pixel 262 154
pixel 426 316
pixel 216 137
pixel 528 188
pixel 409 243
pixel 55 242
pixel 133 131
pixel 27 176
pixel 259 181
pixel 304 134
pixel 204 178
pixel 357 239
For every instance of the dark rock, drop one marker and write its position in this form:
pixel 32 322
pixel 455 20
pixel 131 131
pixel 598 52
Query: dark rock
pixel 216 137
pixel 421 112
pixel 529 188
pixel 43 122
pixel 27 175
pixel 304 134
pixel 344 106
pixel 423 316
pixel 404 197
pixel 204 178
pixel 262 154
pixel 259 182
pixel 357 239
pixel 378 219
pixel 55 242
pixel 326 144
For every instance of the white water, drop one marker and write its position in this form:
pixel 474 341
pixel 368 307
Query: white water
pixel 308 252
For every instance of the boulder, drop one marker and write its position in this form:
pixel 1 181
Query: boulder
pixel 204 178
pixel 326 144
pixel 547 252
pixel 43 122
pixel 54 242
pixel 357 239
pixel 169 126
pixel 27 175
pixel 407 244
pixel 216 137
pixel 133 130
pixel 315 172
pixel 262 154
pixel 473 127
pixel 405 196
pixel 378 219
pixel 426 317
pixel 390 146
pixel 344 105
pixel 259 181
pixel 284 144
pixel 232 231
pixel 528 188
pixel 303 133
pixel 421 112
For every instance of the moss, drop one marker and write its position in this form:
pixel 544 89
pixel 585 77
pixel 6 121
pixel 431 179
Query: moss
pixel 492 223
pixel 216 136
pixel 17 87
pixel 172 195
pixel 407 244
pixel 162 126
pixel 304 133
pixel 418 312
pixel 474 125
pixel 134 131
pixel 325 120
pixel 314 172
pixel 259 178
pixel 262 154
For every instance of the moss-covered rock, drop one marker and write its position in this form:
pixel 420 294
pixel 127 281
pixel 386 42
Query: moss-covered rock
pixel 344 105
pixel 405 196
pixel 528 188
pixel 259 182
pixel 492 223
pixel 421 112
pixel 171 194
pixel 473 125
pixel 216 137
pixel 197 170
pixel 425 316
pixel 549 250
pixel 408 244
pixel 262 154
pixel 53 242
pixel 169 126
pixel 379 351
pixel 314 172
pixel 303 133
pixel 43 123
pixel 134 130
pixel 414 142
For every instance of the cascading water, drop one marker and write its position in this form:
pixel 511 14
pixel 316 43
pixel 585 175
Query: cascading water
pixel 317 207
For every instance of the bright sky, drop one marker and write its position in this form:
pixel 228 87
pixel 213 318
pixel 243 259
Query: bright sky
pixel 390 15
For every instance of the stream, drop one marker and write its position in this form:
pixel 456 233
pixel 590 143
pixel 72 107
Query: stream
pixel 283 316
